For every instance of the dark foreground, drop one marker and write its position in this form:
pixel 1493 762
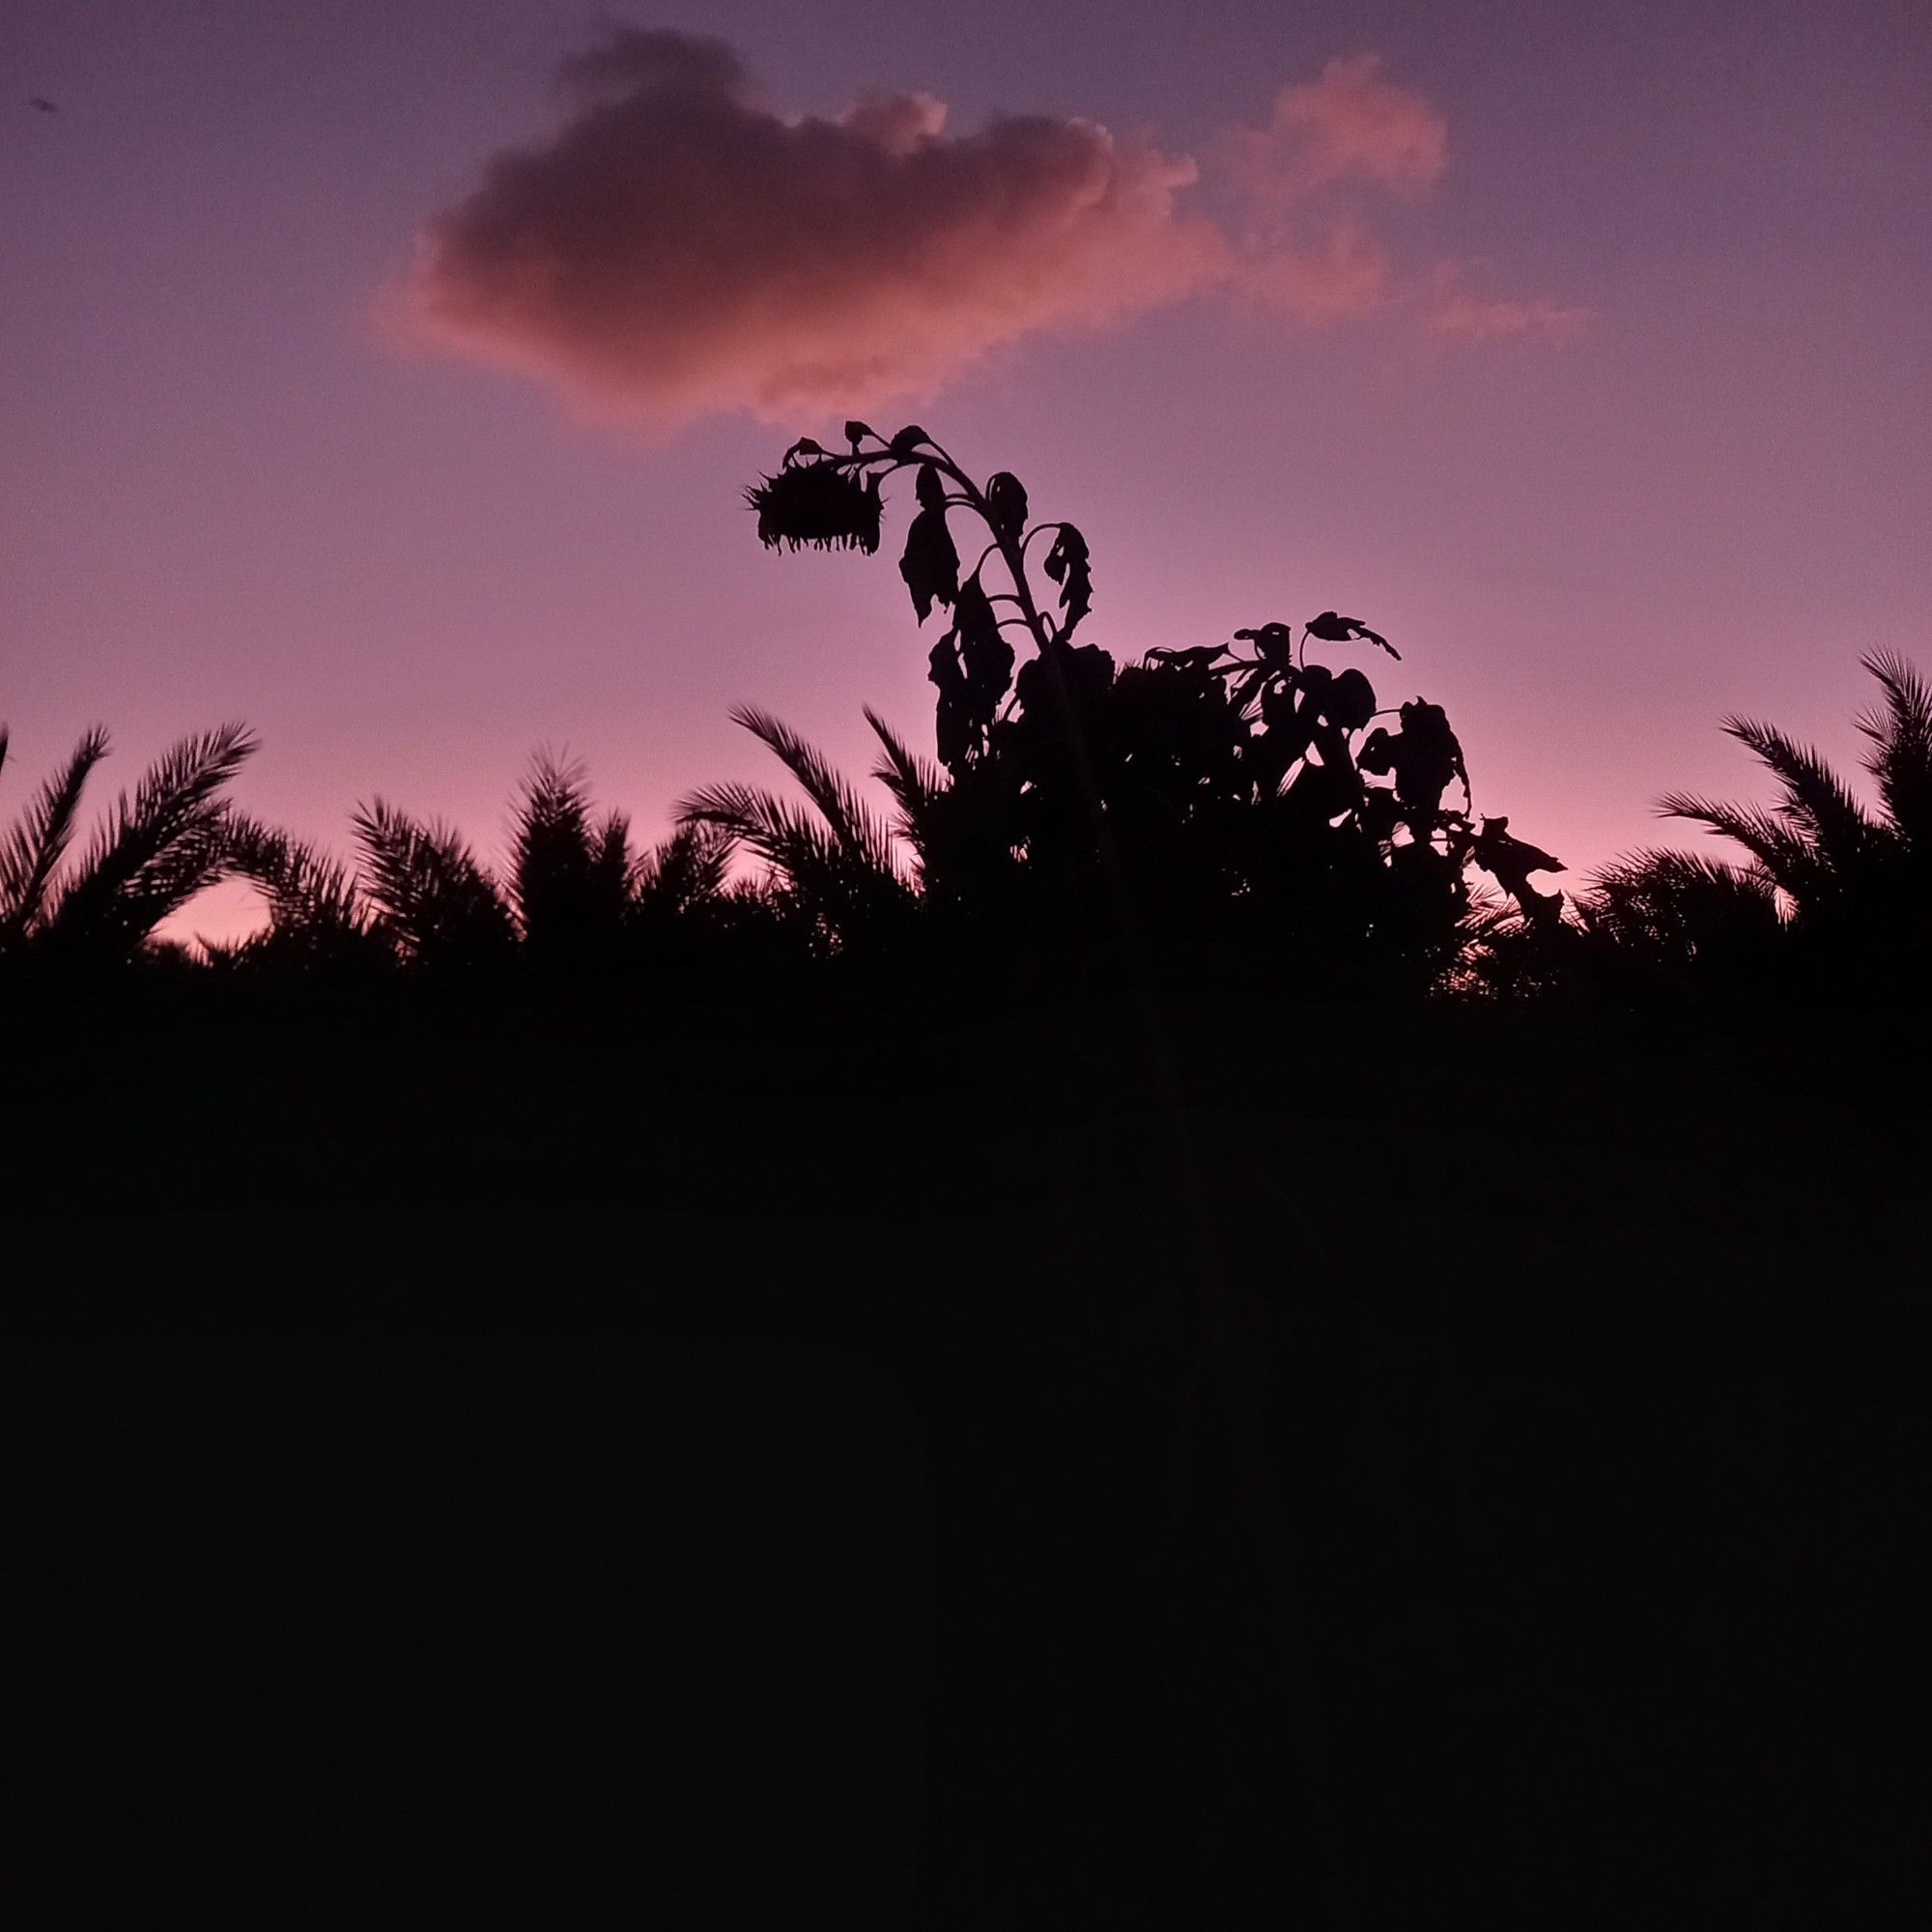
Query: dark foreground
pixel 904 1457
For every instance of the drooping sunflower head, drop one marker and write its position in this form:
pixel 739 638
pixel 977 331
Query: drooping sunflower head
pixel 819 504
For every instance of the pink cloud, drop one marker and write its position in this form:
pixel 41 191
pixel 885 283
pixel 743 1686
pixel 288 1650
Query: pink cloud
pixel 676 247
pixel 1467 318
pixel 1352 126
pixel 1308 180
pixel 1344 277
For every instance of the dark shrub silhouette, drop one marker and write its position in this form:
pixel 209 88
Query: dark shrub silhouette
pixel 1079 1447
pixel 1237 790
pixel 1241 793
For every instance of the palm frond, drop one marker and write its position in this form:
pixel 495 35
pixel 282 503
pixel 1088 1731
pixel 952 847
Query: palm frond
pixel 1783 852
pixel 1816 799
pixel 569 878
pixel 197 858
pixel 846 887
pixel 852 822
pixel 1489 915
pixel 431 894
pixel 551 858
pixel 309 893
pixel 34 848
pixel 610 858
pixel 916 783
pixel 1684 910
pixel 784 835
pixel 158 849
pixel 681 873
pixel 1900 760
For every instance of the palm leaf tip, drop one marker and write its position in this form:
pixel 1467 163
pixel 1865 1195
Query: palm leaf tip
pixel 32 852
pixel 852 822
pixel 1816 799
pixel 684 872
pixel 1899 730
pixel 431 895
pixel 913 781
pixel 309 893
pixel 161 846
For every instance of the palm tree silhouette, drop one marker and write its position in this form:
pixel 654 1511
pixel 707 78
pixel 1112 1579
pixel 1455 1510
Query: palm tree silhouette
pixel 433 900
pixel 570 878
pixel 321 924
pixel 1856 881
pixel 836 862
pixel 1819 843
pixel 1828 885
pixel 1681 911
pixel 574 897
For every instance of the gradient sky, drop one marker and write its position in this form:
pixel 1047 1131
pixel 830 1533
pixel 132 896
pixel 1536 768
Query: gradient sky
pixel 1626 429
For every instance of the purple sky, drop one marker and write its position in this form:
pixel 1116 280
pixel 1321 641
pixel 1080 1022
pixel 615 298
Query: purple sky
pixel 1631 430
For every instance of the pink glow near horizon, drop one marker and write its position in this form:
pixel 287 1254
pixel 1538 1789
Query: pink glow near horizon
pixel 1585 355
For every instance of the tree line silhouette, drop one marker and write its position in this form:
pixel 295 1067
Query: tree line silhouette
pixel 1248 792
pixel 1048 1443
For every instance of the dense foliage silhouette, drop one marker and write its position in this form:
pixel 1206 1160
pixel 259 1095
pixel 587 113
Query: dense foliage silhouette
pixel 1857 883
pixel 1237 791
pixel 1136 1329
pixel 1834 898
pixel 1243 794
